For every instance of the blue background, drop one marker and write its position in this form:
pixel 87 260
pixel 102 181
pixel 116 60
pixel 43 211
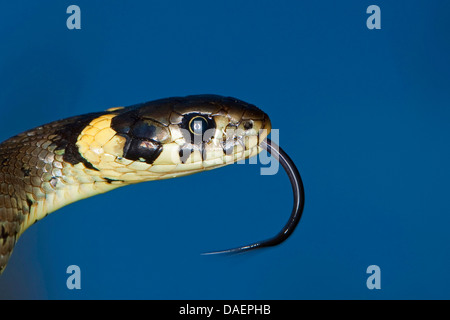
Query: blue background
pixel 364 113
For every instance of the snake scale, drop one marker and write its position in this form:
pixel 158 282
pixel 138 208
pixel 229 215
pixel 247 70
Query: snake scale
pixel 53 165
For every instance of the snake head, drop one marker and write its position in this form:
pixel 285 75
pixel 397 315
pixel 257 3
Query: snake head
pixel 173 137
pixel 218 130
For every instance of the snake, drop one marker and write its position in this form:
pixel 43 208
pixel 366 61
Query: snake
pixel 53 165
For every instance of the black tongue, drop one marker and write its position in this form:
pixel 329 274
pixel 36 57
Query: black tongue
pixel 297 210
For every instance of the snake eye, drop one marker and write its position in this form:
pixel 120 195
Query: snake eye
pixel 198 125
pixel 197 128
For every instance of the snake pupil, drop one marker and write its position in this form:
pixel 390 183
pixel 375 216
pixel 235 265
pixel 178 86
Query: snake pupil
pixel 198 125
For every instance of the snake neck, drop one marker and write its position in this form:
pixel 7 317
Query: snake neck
pixel 40 173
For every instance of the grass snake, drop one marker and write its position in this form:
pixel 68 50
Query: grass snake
pixel 53 165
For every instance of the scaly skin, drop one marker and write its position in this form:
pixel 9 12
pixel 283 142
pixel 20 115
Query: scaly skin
pixel 46 168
